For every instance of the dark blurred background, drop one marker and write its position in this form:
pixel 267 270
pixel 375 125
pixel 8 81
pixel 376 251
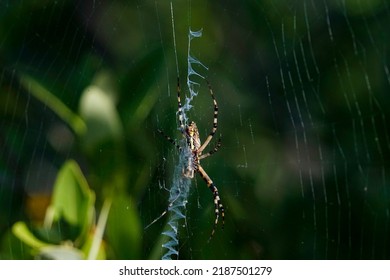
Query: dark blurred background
pixel 303 170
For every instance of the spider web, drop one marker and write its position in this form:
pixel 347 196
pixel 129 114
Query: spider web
pixel 303 169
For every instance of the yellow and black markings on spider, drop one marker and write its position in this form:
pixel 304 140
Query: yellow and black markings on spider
pixel 191 134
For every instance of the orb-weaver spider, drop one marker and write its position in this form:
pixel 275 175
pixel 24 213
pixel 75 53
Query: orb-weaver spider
pixel 191 134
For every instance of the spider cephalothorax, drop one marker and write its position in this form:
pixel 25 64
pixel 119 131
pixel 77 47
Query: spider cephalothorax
pixel 191 134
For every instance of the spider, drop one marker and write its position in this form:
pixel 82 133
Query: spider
pixel 191 134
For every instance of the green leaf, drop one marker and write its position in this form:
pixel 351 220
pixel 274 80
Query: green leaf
pixel 21 231
pixel 98 109
pixel 60 253
pixel 101 254
pixel 138 96
pixel 123 228
pixel 72 201
pixel 54 103
pixel 94 248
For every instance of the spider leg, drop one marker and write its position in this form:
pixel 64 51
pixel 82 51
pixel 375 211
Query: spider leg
pixel 219 209
pixel 158 218
pixel 215 121
pixel 163 213
pixel 169 139
pixel 212 151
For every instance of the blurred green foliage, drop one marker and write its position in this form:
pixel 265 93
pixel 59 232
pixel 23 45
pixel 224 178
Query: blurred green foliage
pixel 304 165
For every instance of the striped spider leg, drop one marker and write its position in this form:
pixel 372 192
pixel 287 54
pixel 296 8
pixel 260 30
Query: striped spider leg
pixel 191 134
